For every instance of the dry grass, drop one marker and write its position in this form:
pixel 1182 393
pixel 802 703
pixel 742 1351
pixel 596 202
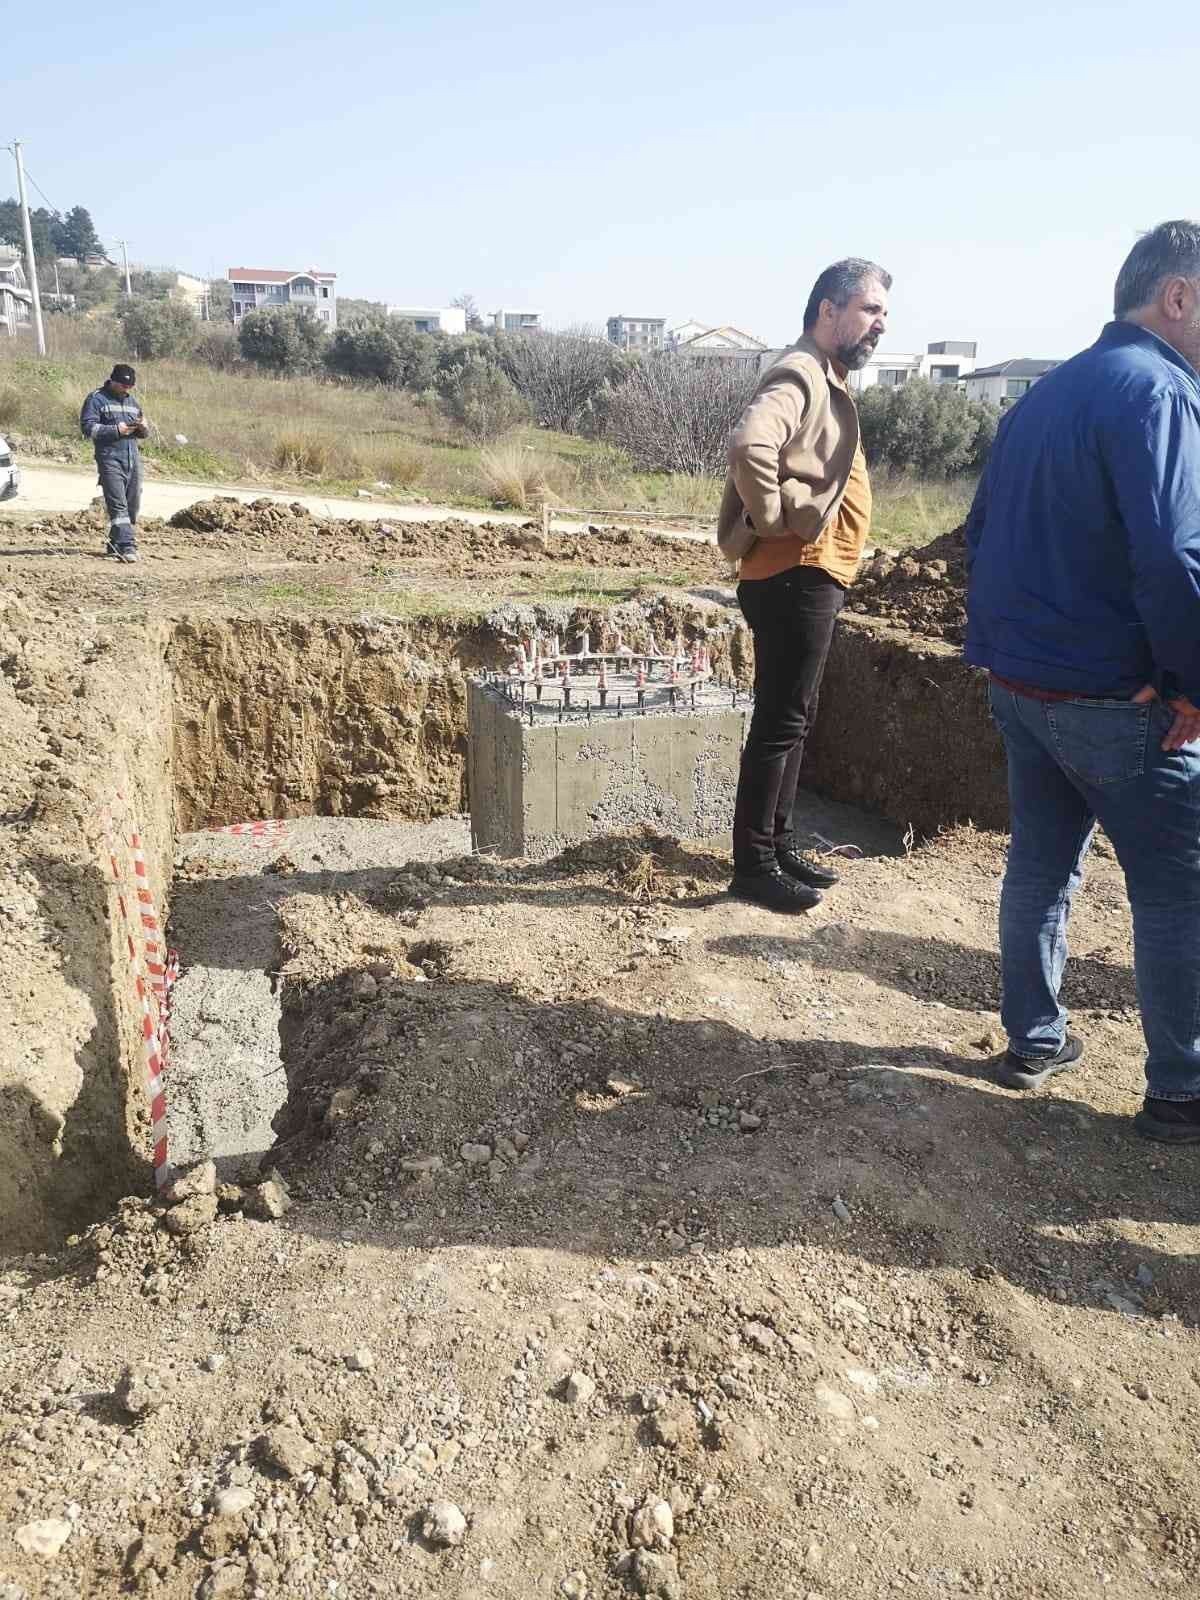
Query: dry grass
pixel 514 474
pixel 302 454
pixel 10 406
pixel 908 512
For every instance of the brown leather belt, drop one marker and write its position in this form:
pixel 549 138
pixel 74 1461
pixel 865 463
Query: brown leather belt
pixel 1032 693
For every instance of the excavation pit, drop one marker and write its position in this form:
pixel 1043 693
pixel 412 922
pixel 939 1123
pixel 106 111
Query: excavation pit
pixel 170 728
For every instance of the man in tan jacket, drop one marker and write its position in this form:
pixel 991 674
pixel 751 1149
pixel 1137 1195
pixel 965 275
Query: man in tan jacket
pixel 795 515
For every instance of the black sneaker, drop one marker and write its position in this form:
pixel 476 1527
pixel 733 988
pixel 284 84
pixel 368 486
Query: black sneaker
pixel 1019 1072
pixel 775 890
pixel 805 871
pixel 1169 1121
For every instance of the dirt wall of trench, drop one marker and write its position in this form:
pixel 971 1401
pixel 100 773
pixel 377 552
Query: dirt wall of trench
pixel 85 716
pixel 904 730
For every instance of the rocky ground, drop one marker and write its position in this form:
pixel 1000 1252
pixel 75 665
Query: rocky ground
pixel 621 1239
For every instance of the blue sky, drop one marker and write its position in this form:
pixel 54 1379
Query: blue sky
pixel 683 161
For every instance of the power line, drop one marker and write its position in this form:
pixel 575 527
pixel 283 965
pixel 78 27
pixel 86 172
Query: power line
pixel 42 192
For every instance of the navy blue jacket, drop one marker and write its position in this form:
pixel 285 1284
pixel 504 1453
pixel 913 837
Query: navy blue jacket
pixel 1083 544
pixel 98 421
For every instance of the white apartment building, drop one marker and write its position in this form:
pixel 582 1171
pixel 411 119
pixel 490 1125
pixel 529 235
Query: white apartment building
pixel 945 361
pixel 426 319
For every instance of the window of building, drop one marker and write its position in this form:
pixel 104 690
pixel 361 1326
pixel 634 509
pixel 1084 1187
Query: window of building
pixel 893 377
pixel 944 374
pixel 324 291
pixel 1014 388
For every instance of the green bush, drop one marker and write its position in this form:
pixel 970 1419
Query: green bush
pixel 282 339
pixel 482 401
pixel 928 428
pixel 393 353
pixel 155 328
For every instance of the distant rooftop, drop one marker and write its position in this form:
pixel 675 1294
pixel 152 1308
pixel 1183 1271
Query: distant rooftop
pixel 1018 367
pixel 270 275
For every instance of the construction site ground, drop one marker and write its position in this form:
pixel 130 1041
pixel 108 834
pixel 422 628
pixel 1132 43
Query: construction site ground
pixel 616 1237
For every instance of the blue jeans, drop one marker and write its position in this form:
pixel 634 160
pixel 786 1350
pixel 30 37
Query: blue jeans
pixel 1069 763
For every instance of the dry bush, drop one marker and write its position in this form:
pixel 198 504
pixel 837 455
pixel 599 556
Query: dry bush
pixel 400 467
pixel 304 453
pixel 561 375
pixel 675 415
pixel 513 474
pixel 10 407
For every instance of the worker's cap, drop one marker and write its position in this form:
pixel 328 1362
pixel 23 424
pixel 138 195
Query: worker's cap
pixel 123 374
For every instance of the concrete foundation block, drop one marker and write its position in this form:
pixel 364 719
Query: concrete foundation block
pixel 535 789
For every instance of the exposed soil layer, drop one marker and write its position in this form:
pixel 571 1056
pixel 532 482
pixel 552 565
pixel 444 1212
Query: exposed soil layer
pixel 225 526
pixel 84 763
pixel 649 1234
pixel 922 590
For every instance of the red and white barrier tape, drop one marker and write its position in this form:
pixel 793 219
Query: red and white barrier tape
pixel 269 830
pixel 162 968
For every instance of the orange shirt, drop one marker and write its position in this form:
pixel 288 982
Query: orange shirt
pixel 838 550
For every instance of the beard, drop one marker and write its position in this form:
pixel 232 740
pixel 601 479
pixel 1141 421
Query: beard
pixel 855 356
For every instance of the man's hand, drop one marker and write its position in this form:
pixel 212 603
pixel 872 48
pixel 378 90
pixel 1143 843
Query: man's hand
pixel 124 429
pixel 1186 726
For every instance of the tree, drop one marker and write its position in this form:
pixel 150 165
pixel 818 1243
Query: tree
pixel 351 311
pixel 673 414
pixel 75 234
pixel 468 304
pixel 478 396
pixel 220 301
pixel 154 328
pixel 41 225
pixel 283 339
pixel 559 375
pixel 929 428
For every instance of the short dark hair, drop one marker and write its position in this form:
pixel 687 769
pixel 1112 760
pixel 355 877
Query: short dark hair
pixel 839 282
pixel 1172 250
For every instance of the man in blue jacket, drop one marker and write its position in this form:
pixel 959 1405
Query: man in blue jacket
pixel 112 419
pixel 1083 547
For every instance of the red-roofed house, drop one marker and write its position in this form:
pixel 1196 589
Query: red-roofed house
pixel 312 291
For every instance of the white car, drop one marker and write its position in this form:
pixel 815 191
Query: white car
pixel 10 475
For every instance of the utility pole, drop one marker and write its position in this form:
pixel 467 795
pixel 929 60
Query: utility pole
pixel 30 261
pixel 125 258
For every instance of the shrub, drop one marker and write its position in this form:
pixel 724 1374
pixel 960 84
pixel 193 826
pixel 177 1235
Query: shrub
pixel 155 328
pixel 675 415
pixel 305 453
pixel 217 346
pixel 393 353
pixel 560 375
pixel 10 407
pixel 929 428
pixel 282 339
pixel 482 401
pixel 513 475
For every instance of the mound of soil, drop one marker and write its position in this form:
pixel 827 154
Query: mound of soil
pixel 924 590
pixel 461 547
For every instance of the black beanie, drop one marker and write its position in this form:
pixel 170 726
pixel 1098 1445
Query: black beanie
pixel 123 374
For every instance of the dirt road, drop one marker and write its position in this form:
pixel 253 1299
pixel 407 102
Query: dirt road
pixel 54 489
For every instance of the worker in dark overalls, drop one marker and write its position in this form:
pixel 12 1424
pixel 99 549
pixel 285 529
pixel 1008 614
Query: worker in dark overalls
pixel 112 419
